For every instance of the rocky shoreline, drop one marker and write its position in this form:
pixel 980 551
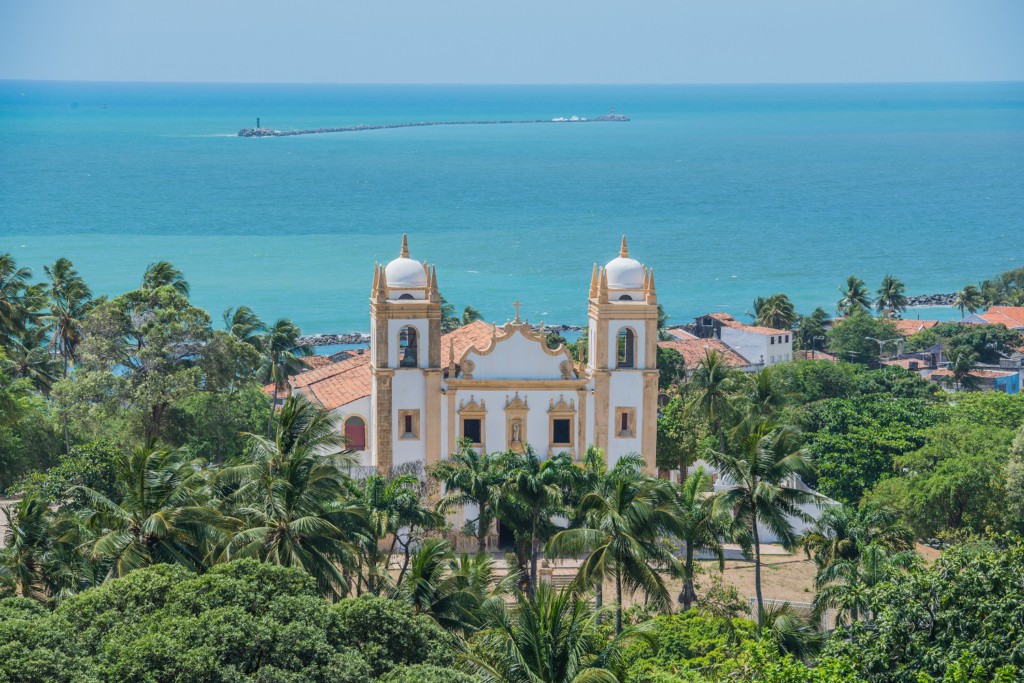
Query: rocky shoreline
pixel 364 337
pixel 924 300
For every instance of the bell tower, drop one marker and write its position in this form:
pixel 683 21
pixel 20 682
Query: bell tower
pixel 622 357
pixel 405 338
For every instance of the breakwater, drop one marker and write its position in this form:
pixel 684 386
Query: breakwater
pixel 272 133
pixel 924 300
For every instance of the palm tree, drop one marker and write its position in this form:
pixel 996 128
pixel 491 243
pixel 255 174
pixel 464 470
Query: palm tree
pixel 287 494
pixel 810 329
pixel 282 358
pixel 550 636
pixel 969 299
pixel 892 300
pixel 244 325
pixel 13 283
pixel 471 478
pixel 764 396
pixel 792 633
pixel 841 531
pixel 26 542
pixel 70 301
pixel 848 585
pixel 700 525
pixel 711 391
pixel 471 315
pixel 162 516
pixel 452 590
pixel 775 311
pixel 762 474
pixel 28 357
pixel 623 519
pixel 962 364
pixel 534 486
pixel 163 274
pixel 855 297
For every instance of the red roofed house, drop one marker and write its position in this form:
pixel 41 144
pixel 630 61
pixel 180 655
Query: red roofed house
pixel 762 346
pixel 694 349
pixel 1011 316
pixel 907 328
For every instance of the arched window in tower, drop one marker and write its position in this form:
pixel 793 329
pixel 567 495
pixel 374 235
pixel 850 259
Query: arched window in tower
pixel 408 348
pixel 355 433
pixel 626 348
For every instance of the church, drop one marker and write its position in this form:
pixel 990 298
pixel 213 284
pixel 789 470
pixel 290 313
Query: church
pixel 415 393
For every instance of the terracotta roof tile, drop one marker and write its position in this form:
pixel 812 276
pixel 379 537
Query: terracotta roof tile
pixel 314 362
pixel 814 355
pixel 1011 316
pixel 476 334
pixel 909 327
pixel 693 351
pixel 338 383
pixel 984 374
pixel 729 321
pixel 905 363
pixel 680 333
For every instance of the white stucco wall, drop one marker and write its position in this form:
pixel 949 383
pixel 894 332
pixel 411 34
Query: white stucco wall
pixel 361 408
pixel 517 357
pixel 408 391
pixel 757 348
pixel 626 390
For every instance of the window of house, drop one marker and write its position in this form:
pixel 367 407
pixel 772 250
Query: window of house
pixel 787 338
pixel 625 422
pixel 561 431
pixel 408 347
pixel 626 348
pixel 472 429
pixel 408 424
pixel 773 340
pixel 355 433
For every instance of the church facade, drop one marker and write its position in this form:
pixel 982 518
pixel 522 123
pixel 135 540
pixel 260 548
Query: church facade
pixel 417 392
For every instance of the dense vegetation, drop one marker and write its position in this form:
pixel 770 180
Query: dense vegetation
pixel 172 527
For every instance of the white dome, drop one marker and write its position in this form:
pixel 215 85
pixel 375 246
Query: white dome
pixel 404 272
pixel 625 273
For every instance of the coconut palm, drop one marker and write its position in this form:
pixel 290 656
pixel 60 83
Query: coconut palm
pixel 13 283
pixel 452 590
pixel 841 531
pixel 854 297
pixel 962 364
pixel 764 396
pixel 700 526
pixel 623 519
pixel 792 632
pixel 968 300
pixel 892 300
pixel 762 490
pixel 711 393
pixel 287 493
pixel 471 315
pixel 164 274
pixel 550 636
pixel 28 357
pixel 775 311
pixel 471 478
pixel 162 515
pixel 533 493
pixel 70 301
pixel 848 585
pixel 244 325
pixel 26 544
pixel 282 358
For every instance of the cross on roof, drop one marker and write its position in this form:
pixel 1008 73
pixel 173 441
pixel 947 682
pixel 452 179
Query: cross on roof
pixel 517 304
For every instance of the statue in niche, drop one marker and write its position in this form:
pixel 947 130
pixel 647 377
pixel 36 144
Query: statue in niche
pixel 517 432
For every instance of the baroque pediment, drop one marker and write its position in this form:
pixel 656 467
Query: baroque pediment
pixel 516 351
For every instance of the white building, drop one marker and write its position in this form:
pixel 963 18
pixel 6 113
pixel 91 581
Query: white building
pixel 762 346
pixel 416 392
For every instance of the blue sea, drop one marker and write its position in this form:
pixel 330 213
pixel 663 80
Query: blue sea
pixel 729 192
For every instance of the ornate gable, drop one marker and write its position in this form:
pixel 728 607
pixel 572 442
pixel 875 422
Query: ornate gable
pixel 515 351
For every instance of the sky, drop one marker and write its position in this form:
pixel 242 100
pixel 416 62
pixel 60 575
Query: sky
pixel 518 41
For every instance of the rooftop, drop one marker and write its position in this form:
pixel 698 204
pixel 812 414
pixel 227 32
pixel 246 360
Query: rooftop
pixel 980 374
pixel 1011 316
pixel 814 355
pixel 729 321
pixel 909 327
pixel 694 350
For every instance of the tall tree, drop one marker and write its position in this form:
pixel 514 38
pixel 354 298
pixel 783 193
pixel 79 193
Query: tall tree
pixel 968 300
pixel 854 297
pixel 244 325
pixel 282 358
pixel 892 300
pixel 164 274
pixel 760 471
pixel 14 313
pixel 775 311
pixel 700 526
pixel 711 394
pixel 286 492
pixel 472 478
pixel 810 330
pixel 962 364
pixel 70 301
pixel 622 521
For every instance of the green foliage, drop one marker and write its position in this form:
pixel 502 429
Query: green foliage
pixel 426 673
pixel 29 433
pixel 775 311
pixel 210 425
pixel 243 621
pixel 682 436
pixel 855 441
pixel 672 368
pixel 853 338
pixel 989 342
pixel 90 465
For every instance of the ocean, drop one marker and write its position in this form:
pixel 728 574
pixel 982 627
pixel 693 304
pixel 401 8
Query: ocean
pixel 729 192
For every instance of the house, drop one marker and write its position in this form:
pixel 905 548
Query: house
pixel 907 328
pixel 411 397
pixel 762 346
pixel 1006 381
pixel 694 349
pixel 1010 316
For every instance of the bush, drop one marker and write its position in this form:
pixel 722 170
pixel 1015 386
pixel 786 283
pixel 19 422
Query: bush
pixel 426 673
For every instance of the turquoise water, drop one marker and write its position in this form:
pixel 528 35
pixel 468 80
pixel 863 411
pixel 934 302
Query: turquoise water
pixel 730 192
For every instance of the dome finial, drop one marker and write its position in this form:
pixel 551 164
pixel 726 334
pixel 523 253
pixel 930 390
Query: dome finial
pixel 405 246
pixel 623 250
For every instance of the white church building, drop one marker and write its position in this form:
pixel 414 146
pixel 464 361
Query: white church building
pixel 415 393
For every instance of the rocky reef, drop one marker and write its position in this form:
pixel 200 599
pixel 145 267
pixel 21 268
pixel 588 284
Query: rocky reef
pixel 923 300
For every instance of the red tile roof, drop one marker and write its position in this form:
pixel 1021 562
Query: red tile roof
pixel 314 362
pixel 983 374
pixel 814 355
pixel 729 321
pixel 476 334
pixel 680 333
pixel 905 363
pixel 337 384
pixel 909 327
pixel 693 351
pixel 1011 316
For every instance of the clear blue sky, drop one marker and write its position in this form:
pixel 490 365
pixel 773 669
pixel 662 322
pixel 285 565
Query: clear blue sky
pixel 513 41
